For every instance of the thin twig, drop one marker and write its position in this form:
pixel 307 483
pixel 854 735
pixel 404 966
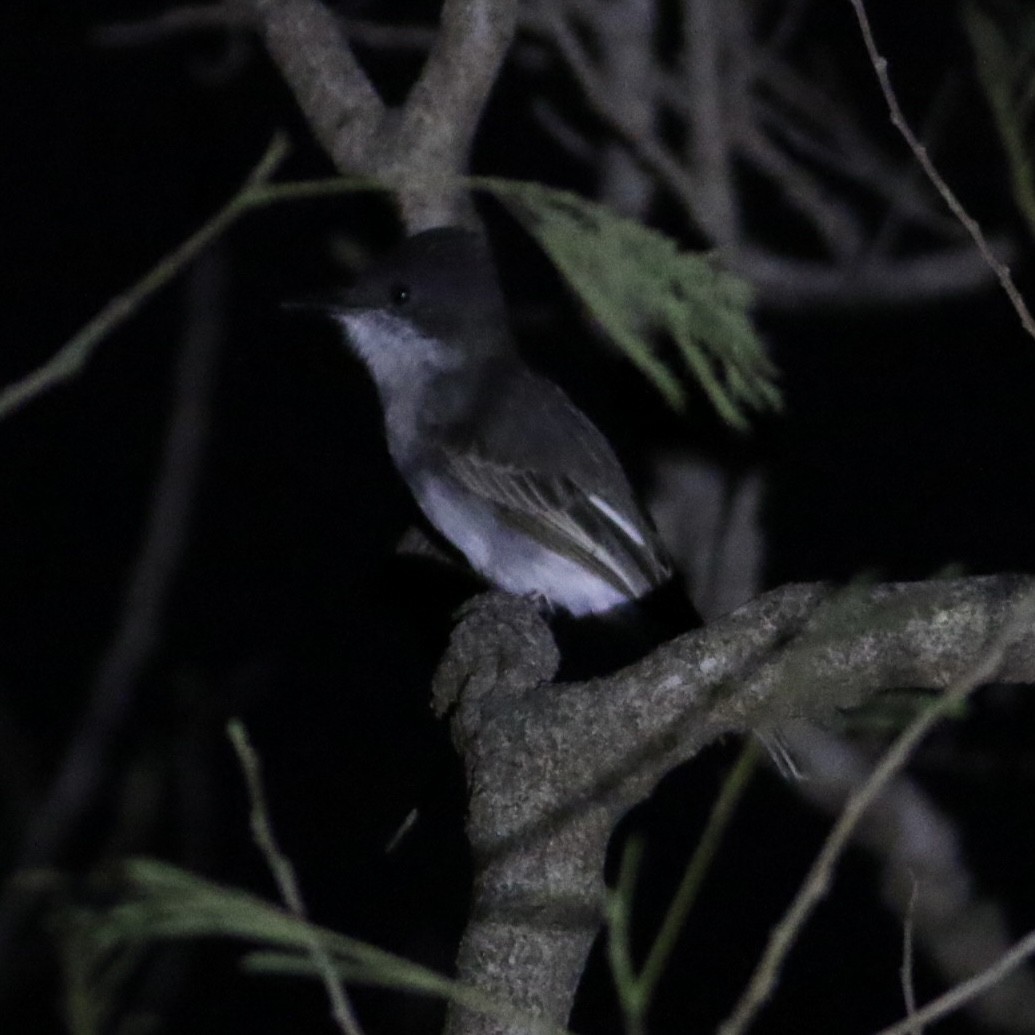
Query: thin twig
pixel 174 22
pixel 962 993
pixel 74 354
pixel 917 846
pixel 636 990
pixel 1001 271
pixel 191 18
pixel 647 150
pixel 284 876
pixel 784 936
pixel 833 221
pixel 256 192
pixel 906 970
pixel 722 814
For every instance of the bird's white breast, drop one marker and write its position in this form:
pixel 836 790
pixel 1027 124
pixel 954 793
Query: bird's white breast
pixel 509 559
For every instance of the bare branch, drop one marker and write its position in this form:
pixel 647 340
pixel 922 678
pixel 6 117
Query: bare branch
pixel 236 14
pixel 721 93
pixel 833 220
pixel 1002 273
pixel 284 874
pixel 176 21
pixel 712 93
pixel 625 33
pixel 816 127
pixel 967 990
pixel 925 874
pixel 653 155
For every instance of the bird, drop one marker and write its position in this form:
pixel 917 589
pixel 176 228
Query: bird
pixel 504 466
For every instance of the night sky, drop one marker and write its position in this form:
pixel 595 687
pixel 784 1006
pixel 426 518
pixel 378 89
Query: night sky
pixel 904 451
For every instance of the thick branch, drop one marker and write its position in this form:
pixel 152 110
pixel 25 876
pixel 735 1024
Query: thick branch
pixel 305 41
pixel 419 149
pixel 443 108
pixel 552 767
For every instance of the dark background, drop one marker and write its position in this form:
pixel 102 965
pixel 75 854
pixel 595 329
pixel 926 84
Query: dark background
pixel 904 449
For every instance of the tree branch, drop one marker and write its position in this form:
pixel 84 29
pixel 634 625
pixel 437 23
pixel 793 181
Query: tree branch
pixel 551 768
pixel 419 149
pixel 971 225
pixel 305 41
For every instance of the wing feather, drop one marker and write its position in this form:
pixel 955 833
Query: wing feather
pixel 556 511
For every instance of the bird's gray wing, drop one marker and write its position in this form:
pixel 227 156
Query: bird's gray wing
pixel 606 536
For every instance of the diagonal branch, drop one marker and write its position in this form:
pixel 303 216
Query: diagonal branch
pixel 969 223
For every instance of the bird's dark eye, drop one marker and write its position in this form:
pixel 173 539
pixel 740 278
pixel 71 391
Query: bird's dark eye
pixel 400 294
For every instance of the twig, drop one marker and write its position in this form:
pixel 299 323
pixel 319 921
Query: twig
pixel 712 91
pixel 230 15
pixel 906 970
pixel 1001 271
pixel 816 883
pixel 635 991
pixel 284 875
pixel 832 221
pixel 257 192
pixel 75 353
pixel 173 22
pixel 916 845
pixel 962 993
pixel 647 150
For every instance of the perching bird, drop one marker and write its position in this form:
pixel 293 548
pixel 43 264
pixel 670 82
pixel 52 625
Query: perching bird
pixel 498 458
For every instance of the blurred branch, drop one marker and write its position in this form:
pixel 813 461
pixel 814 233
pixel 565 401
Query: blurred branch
pixel 653 155
pixel 783 282
pixel 235 14
pixel 814 126
pixel 112 695
pixel 176 21
pixel 714 87
pixel 741 101
pixel 626 30
pixel 1001 271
